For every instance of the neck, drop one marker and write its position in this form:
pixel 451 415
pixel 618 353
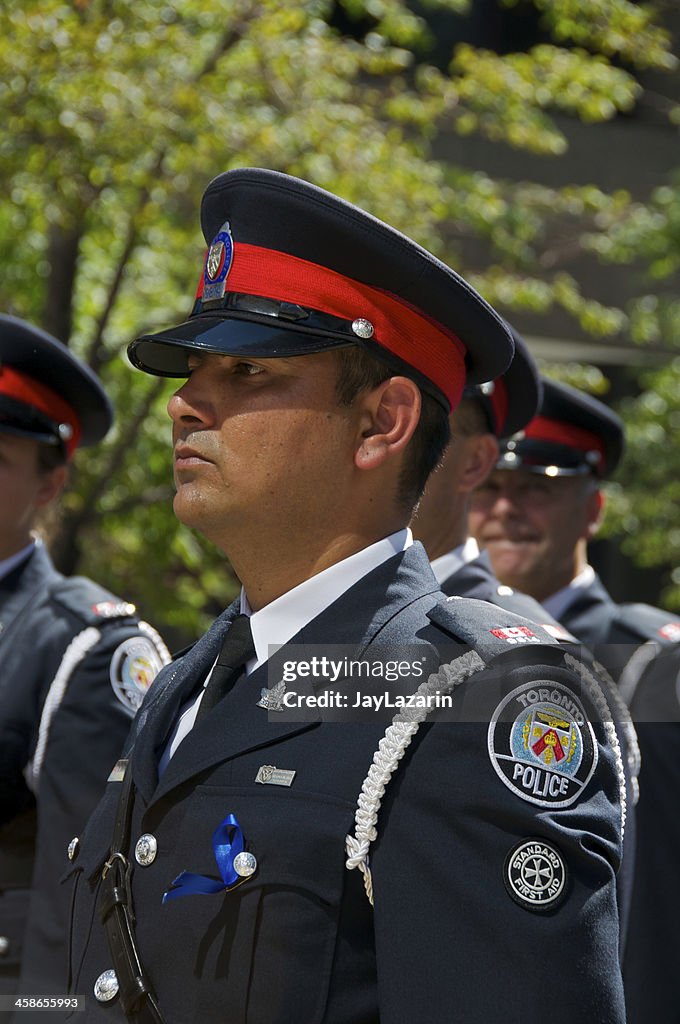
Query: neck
pixel 443 532
pixel 10 546
pixel 267 575
pixel 562 575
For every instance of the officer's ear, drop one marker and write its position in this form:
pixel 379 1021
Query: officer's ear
pixel 595 506
pixel 52 484
pixel 480 455
pixel 390 415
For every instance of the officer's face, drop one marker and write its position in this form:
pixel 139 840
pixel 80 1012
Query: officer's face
pixel 25 490
pixel 534 527
pixel 262 448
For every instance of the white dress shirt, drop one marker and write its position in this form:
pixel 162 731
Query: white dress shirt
pixel 452 561
pixel 275 624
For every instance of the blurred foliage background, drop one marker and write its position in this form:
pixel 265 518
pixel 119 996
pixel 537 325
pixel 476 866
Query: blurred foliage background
pixel 115 116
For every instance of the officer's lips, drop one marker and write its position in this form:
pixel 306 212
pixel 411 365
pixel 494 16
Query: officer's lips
pixel 508 540
pixel 187 457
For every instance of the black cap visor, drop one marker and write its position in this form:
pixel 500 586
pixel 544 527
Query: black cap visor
pixel 22 420
pixel 549 459
pixel 165 354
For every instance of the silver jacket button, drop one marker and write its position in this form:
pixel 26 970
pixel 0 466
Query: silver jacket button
pixel 4 945
pixel 106 986
pixel 245 864
pixel 72 849
pixel 146 849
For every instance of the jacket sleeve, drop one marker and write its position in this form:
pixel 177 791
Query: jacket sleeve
pixel 498 844
pixel 85 719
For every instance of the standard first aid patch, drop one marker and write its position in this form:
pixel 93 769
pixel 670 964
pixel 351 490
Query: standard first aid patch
pixel 541 744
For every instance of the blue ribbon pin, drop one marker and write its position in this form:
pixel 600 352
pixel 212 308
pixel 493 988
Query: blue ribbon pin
pixel 227 843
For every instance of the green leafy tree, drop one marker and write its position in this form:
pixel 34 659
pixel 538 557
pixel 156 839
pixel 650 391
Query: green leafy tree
pixel 643 510
pixel 115 116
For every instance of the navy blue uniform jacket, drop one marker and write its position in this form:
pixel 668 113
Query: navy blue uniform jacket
pixel 61 728
pixel 298 941
pixel 476 579
pixel 638 644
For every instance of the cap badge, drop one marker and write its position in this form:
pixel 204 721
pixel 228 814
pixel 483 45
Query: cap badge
pixel 218 264
pixel 363 328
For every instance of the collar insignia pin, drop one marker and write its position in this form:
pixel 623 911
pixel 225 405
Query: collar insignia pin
pixel 272 700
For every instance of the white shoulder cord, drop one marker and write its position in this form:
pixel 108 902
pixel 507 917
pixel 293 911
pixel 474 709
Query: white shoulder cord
pixel 157 640
pixel 76 651
pixel 79 647
pixel 605 712
pixel 634 668
pixel 634 757
pixel 391 749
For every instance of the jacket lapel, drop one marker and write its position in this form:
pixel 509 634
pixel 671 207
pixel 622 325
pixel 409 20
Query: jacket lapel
pixel 237 724
pixel 172 688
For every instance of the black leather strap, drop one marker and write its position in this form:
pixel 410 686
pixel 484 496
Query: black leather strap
pixel 117 914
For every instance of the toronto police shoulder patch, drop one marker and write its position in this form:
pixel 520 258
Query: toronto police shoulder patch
pixel 535 875
pixel 134 666
pixel 542 745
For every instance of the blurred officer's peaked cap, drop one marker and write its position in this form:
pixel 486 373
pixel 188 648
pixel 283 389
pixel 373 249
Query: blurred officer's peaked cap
pixel 511 400
pixel 291 269
pixel 573 433
pixel 46 393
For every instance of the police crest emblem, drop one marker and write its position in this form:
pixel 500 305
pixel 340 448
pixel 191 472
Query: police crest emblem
pixel 542 745
pixel 134 666
pixel 218 264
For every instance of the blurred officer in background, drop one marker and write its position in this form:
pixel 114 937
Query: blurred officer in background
pixel 487 414
pixel 534 516
pixel 269 846
pixel 75 660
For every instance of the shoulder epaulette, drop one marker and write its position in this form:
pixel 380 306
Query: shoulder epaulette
pixel 486 628
pixel 90 602
pixel 644 622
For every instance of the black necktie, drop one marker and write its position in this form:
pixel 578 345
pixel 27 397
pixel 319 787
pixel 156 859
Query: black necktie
pixel 237 649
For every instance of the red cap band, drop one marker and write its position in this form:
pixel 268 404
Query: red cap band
pixel 543 429
pixel 18 385
pixel 400 328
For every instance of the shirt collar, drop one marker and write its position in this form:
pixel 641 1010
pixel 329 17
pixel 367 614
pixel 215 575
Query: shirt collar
pixel 8 564
pixel 276 623
pixel 452 561
pixel 558 602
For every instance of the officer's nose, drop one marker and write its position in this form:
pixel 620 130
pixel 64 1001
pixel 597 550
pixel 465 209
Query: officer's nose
pixel 188 407
pixel 504 505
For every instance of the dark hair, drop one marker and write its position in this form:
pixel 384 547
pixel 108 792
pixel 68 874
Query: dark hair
pixel 360 370
pixel 50 456
pixel 470 418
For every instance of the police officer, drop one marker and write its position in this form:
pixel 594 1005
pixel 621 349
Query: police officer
pixel 486 413
pixel 75 659
pixel 263 852
pixel 535 515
